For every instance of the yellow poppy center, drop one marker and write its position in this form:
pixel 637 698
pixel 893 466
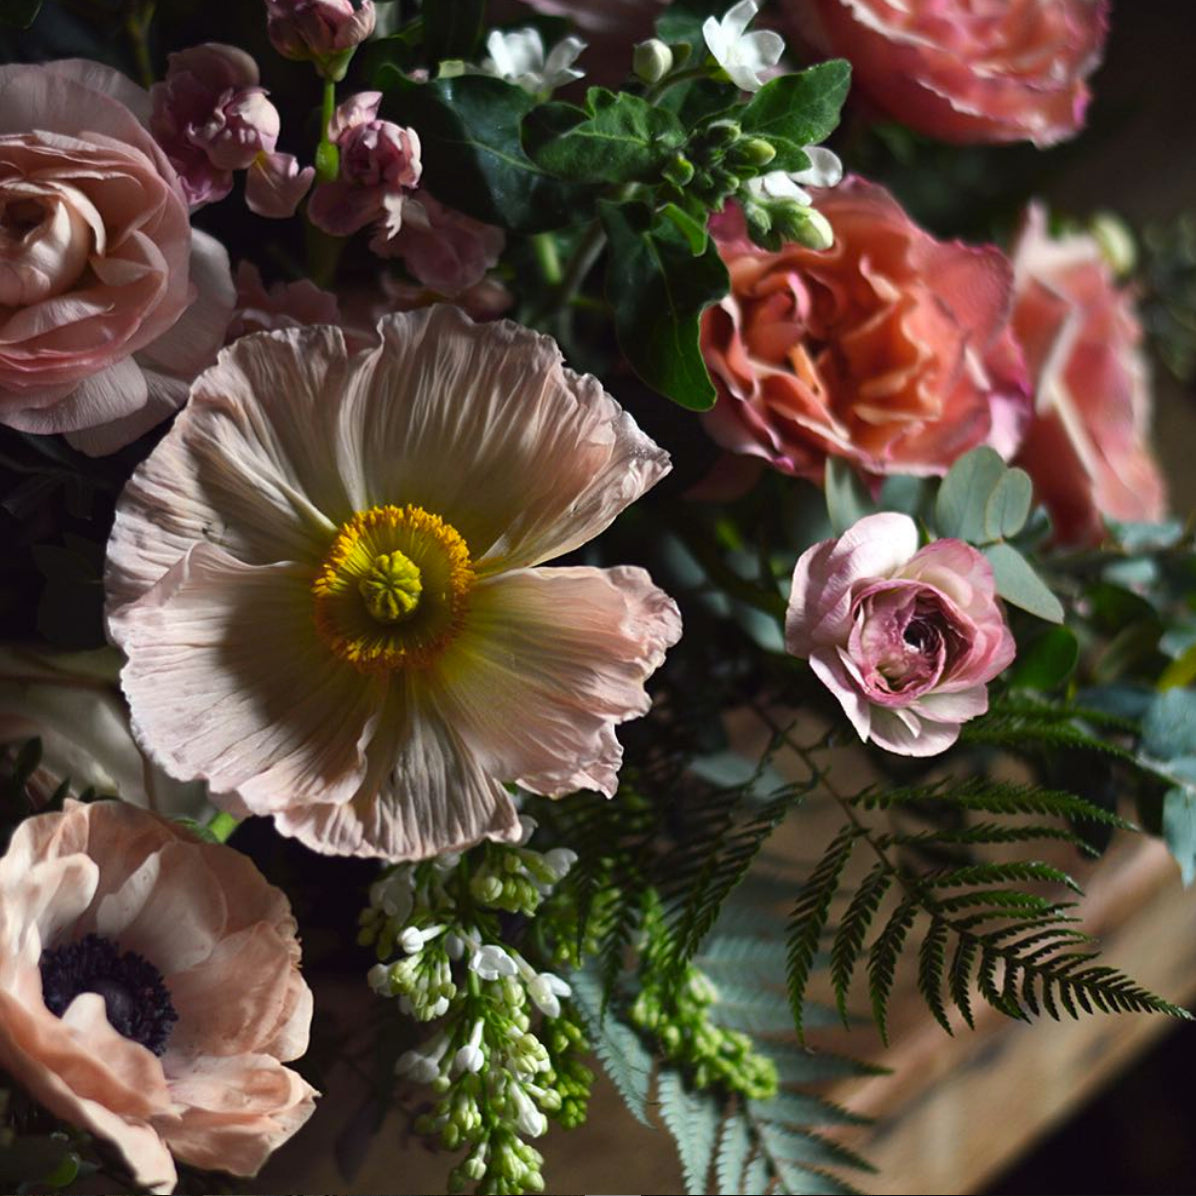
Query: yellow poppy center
pixel 393 589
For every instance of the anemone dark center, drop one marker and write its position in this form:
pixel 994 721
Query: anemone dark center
pixel 135 996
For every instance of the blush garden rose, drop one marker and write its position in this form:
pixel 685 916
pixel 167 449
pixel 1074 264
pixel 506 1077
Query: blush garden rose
pixel 906 639
pixel 890 349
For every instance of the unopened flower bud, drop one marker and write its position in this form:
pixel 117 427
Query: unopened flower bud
pixel 1116 242
pixel 325 32
pixel 651 60
pixel 723 132
pixel 806 226
pixel 679 171
pixel 754 151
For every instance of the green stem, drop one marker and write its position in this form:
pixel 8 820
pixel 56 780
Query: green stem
pixel 547 258
pixel 137 25
pixel 222 826
pixel 328 159
pixel 653 94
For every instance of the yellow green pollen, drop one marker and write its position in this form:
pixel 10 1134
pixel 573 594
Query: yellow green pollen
pixel 393 590
pixel 392 587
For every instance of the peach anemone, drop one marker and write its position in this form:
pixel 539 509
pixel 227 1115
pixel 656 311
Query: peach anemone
pixel 326 579
pixel 150 990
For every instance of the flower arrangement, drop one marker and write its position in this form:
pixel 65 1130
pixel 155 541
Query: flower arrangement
pixel 471 475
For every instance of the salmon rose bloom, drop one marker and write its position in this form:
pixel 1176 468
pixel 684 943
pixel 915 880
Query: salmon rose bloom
pixel 1088 447
pixel 150 990
pixel 326 579
pixel 906 639
pixel 110 303
pixel 966 71
pixel 890 349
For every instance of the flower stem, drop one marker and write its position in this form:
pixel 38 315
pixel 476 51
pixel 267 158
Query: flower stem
pixel 328 162
pixel 137 25
pixel 222 826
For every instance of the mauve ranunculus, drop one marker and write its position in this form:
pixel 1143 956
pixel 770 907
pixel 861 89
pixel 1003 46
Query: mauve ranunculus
pixel 442 248
pixel 321 31
pixel 110 303
pixel 966 71
pixel 890 349
pixel 1087 448
pixel 150 990
pixel 906 640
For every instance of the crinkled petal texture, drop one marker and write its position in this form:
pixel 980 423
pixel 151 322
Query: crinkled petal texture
pixel 222 531
pixel 890 349
pixel 109 305
pixel 1088 446
pixel 967 71
pixel 906 639
pixel 224 942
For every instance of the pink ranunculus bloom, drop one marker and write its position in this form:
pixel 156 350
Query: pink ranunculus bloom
pixel 328 582
pixel 442 248
pixel 320 31
pixel 150 990
pixel 211 118
pixel 906 639
pixel 1087 448
pixel 110 303
pixel 890 349
pixel 966 71
pixel 379 165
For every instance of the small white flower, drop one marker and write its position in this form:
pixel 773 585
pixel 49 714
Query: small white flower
pixel 454 945
pixel 393 893
pixel 491 962
pixel 379 979
pixel 518 56
pixel 743 55
pixel 559 860
pixel 527 828
pixel 530 1121
pixel 545 990
pixel 423 1066
pixel 470 1057
pixel 825 170
pixel 412 939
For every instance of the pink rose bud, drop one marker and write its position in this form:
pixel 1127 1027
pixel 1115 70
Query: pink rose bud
pixel 379 164
pixel 325 32
pixel 906 640
pixel 211 118
pixel 275 185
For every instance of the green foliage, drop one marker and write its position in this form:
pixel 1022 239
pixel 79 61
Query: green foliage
pixel 1018 583
pixel 847 498
pixel 1018 948
pixel 1046 660
pixel 473 158
pixel 658 290
pixel 794 111
pixel 19 13
pixel 453 30
pixel 615 138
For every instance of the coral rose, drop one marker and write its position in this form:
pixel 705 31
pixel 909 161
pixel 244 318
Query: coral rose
pixel 1087 449
pixel 150 990
pixel 890 349
pixel 110 303
pixel 328 580
pixel 966 71
pixel 906 640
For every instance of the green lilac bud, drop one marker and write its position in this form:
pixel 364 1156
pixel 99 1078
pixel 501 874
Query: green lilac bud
pixel 651 60
pixel 723 132
pixel 755 151
pixel 679 171
pixel 806 226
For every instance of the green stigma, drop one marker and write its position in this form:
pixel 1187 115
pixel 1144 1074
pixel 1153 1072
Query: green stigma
pixel 391 588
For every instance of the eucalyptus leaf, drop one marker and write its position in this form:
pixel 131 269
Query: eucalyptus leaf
pixel 1179 828
pixel 1169 725
pixel 1047 660
pixel 847 499
pixel 1008 505
pixel 616 138
pixel 659 290
pixel 961 509
pixel 798 110
pixel 1181 671
pixel 1019 584
pixel 469 130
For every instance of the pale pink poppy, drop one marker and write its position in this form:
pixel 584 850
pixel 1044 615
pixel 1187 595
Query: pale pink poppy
pixel 110 303
pixel 1088 447
pixel 906 639
pixel 150 990
pixel 326 579
pixel 966 71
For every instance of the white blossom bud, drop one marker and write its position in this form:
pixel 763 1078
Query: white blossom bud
pixel 651 60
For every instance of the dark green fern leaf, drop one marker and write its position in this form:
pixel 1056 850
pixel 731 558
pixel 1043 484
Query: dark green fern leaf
pixel 882 961
pixel 932 959
pixel 853 929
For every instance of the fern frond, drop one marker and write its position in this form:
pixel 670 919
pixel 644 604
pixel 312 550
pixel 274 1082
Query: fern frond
pixel 932 961
pixel 693 1120
pixel 853 929
pixel 882 961
pixel 809 917
pixel 991 872
pixel 804 1108
pixel 734 1148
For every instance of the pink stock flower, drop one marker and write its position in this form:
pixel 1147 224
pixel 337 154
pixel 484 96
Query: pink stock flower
pixel 284 305
pixel 109 302
pixel 906 640
pixel 150 990
pixel 1087 448
pixel 890 349
pixel 275 185
pixel 379 164
pixel 966 71
pixel 321 31
pixel 327 579
pixel 442 248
